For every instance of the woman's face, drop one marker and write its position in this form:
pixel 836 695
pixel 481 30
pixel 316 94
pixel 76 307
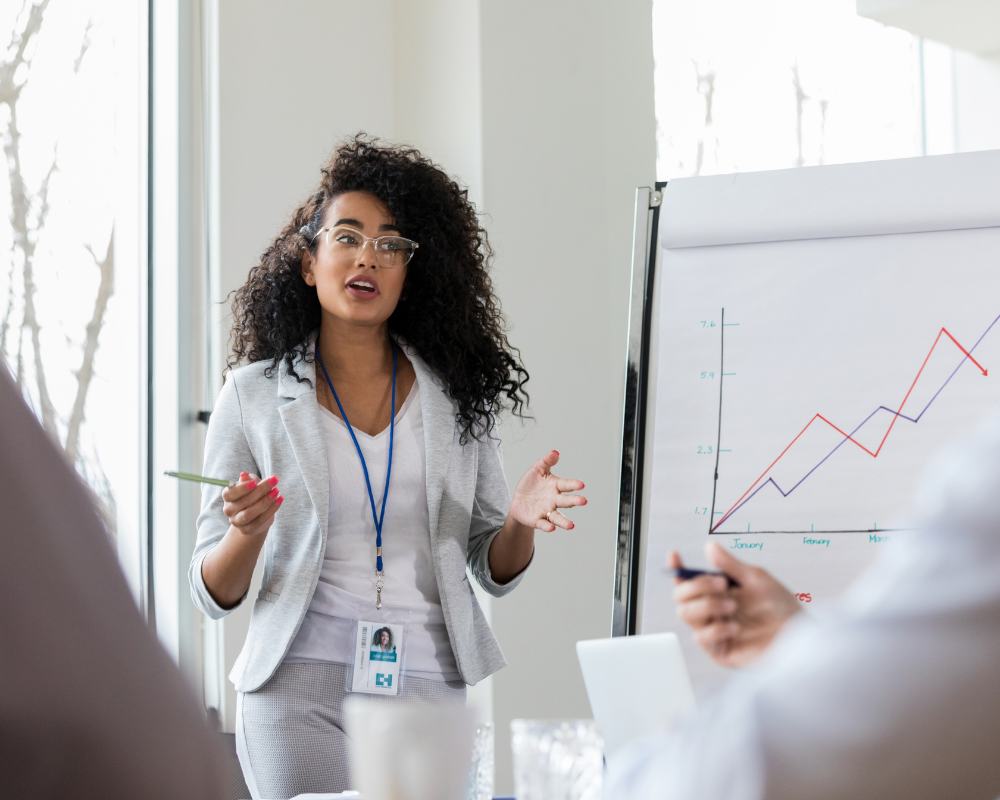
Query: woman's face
pixel 384 638
pixel 355 289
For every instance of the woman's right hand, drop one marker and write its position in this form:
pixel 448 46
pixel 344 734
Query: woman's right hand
pixel 251 504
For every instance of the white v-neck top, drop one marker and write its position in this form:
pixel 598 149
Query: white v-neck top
pixel 346 588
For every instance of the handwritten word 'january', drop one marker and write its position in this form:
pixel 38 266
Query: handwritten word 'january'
pixel 736 544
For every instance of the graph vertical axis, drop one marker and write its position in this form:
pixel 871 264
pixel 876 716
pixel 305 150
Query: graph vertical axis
pixel 718 438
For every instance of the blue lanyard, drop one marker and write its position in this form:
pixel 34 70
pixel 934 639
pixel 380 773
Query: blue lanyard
pixel 378 518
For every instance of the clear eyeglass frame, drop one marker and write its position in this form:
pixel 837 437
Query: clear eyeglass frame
pixel 390 251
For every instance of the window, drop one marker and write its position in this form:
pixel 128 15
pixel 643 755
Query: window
pixel 71 287
pixel 744 85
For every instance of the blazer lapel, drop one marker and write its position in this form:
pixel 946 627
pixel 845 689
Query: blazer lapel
pixel 438 411
pixel 305 433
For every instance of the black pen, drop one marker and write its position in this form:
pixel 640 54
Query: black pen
pixel 685 574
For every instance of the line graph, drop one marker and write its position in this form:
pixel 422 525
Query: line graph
pixel 897 414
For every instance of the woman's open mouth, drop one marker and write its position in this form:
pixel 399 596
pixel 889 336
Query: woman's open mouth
pixel 363 288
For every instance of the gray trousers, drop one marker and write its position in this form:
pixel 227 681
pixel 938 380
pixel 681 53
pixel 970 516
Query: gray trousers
pixel 290 733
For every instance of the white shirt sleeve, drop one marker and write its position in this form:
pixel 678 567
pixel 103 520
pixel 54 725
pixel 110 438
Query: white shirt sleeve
pixel 895 694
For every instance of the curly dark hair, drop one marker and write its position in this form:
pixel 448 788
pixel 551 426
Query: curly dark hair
pixel 447 311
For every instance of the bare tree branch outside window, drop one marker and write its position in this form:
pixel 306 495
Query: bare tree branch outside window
pixel 24 347
pixel 746 86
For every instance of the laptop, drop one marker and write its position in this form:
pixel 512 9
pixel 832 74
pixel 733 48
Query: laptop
pixel 637 685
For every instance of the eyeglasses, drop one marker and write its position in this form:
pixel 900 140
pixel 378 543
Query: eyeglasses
pixel 348 243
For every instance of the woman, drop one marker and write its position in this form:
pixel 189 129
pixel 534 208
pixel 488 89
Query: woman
pixel 377 364
pixel 383 640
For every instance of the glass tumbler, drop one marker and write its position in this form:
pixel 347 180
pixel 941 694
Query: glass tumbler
pixel 557 760
pixel 480 786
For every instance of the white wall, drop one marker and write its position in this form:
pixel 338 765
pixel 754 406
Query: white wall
pixel 545 111
pixel 436 85
pixel 568 133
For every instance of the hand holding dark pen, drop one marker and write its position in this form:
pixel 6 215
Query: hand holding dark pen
pixel 734 625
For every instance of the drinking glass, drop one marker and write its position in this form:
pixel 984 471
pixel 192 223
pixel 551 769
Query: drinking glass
pixel 557 760
pixel 480 786
pixel 410 750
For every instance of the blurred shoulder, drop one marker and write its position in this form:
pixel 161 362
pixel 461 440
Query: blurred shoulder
pixel 963 484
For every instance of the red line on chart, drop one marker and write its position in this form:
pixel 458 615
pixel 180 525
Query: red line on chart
pixel 848 437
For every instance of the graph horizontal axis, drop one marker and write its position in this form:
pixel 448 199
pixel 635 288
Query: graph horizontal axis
pixel 805 533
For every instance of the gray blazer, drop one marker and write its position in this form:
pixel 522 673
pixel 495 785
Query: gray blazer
pixel 271 426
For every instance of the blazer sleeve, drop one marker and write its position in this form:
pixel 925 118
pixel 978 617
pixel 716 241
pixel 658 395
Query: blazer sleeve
pixel 227 454
pixel 489 511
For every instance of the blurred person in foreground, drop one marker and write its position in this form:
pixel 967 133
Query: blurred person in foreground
pixel 90 704
pixel 893 693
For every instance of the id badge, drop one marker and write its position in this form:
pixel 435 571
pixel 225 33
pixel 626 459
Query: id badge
pixel 379 647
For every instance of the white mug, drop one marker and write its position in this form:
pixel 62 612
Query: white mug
pixel 409 750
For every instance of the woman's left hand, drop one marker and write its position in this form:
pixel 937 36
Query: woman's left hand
pixel 539 495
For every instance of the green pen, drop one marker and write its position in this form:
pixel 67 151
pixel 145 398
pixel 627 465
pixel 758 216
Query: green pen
pixel 188 476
